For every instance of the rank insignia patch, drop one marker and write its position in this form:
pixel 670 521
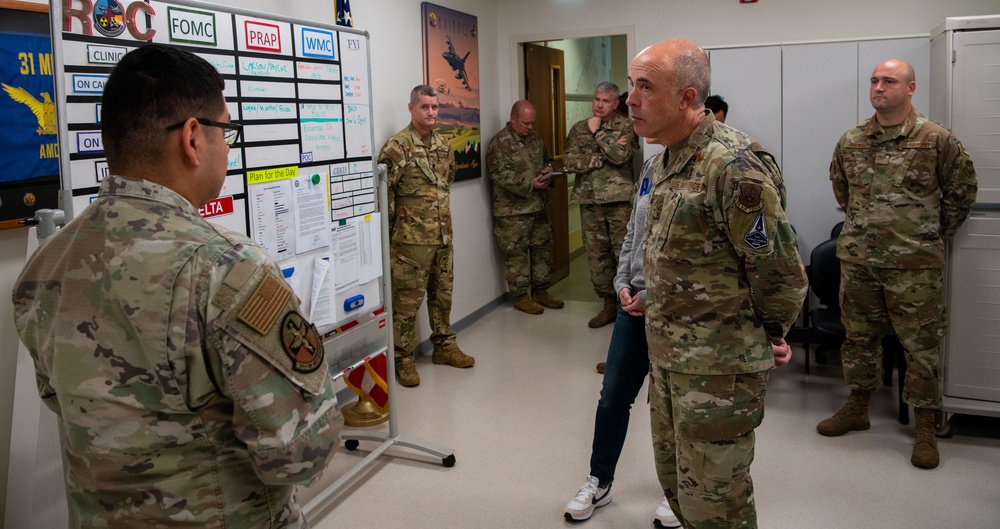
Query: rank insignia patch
pixel 756 236
pixel 748 198
pixel 266 303
pixel 301 343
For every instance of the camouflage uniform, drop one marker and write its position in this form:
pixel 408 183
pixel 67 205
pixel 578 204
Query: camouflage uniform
pixel 191 389
pixel 904 191
pixel 723 278
pixel 420 244
pixel 604 186
pixel 520 223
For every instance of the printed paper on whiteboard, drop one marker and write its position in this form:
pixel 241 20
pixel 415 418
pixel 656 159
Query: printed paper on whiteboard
pixel 272 218
pixel 346 251
pixel 312 212
pixel 321 309
pixel 370 235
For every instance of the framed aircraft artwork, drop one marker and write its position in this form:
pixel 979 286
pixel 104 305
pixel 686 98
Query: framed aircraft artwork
pixel 451 66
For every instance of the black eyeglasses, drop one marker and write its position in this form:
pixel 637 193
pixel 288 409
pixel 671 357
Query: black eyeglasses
pixel 231 131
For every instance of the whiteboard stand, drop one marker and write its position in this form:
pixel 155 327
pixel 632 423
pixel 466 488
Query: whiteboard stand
pixel 393 438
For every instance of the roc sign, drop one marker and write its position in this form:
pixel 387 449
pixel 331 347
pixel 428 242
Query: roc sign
pixel 109 17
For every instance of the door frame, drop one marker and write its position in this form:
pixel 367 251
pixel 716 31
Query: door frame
pixel 516 52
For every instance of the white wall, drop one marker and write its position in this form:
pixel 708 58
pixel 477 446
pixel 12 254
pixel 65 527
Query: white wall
pixel 395 29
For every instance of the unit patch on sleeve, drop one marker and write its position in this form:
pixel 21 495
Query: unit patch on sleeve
pixel 301 343
pixel 748 198
pixel 265 305
pixel 756 236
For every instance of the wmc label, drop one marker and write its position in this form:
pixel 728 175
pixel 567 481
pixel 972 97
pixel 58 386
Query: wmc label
pixel 189 25
pixel 318 43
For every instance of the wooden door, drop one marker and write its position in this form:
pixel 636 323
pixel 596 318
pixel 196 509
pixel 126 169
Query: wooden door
pixel 545 87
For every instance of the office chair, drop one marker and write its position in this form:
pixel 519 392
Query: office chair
pixel 825 323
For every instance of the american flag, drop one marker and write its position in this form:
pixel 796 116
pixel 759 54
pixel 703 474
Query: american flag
pixel 344 17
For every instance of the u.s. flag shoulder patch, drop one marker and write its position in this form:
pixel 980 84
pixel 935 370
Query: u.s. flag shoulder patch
pixel 756 237
pixel 266 304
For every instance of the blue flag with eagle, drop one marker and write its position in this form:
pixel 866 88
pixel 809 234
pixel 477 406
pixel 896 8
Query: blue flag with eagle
pixel 344 17
pixel 30 145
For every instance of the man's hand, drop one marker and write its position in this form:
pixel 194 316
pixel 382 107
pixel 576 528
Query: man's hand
pixel 593 123
pixel 782 352
pixel 538 183
pixel 631 304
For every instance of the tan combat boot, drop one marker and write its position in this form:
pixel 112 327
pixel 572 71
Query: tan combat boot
pixel 607 315
pixel 925 451
pixel 853 416
pixel 543 298
pixel 406 372
pixel 452 356
pixel 524 303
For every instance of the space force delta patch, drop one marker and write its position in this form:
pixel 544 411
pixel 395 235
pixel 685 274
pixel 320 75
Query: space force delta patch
pixel 756 236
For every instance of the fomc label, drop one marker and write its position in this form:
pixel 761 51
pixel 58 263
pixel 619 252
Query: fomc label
pixel 189 25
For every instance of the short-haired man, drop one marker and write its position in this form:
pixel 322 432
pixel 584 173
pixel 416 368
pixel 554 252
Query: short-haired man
pixel 905 184
pixel 718 107
pixel 190 386
pixel 599 152
pixel 421 168
pixel 724 282
pixel 518 164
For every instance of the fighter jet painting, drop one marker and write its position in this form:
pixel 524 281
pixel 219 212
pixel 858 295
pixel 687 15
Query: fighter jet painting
pixel 457 64
pixel 451 66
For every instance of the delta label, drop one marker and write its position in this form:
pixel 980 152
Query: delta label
pixel 189 25
pixel 105 54
pixel 261 36
pixel 318 43
pixel 217 207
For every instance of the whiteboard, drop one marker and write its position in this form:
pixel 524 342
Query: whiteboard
pixel 301 178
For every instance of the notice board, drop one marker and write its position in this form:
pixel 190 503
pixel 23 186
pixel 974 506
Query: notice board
pixel 300 180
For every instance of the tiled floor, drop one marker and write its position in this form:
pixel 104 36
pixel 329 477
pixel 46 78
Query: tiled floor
pixel 521 423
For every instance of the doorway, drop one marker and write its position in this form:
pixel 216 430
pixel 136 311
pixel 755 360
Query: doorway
pixel 558 77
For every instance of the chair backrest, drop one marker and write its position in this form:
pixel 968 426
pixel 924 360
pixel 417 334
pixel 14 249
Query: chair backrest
pixel 824 273
pixel 837 228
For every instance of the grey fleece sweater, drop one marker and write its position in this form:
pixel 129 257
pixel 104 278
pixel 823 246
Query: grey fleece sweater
pixel 630 259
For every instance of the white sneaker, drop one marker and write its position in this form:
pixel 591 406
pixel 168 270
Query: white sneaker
pixel 664 517
pixel 589 498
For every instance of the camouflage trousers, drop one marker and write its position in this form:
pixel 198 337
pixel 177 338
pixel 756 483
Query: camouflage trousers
pixel 703 444
pixel 417 269
pixel 526 241
pixel 912 301
pixel 604 227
